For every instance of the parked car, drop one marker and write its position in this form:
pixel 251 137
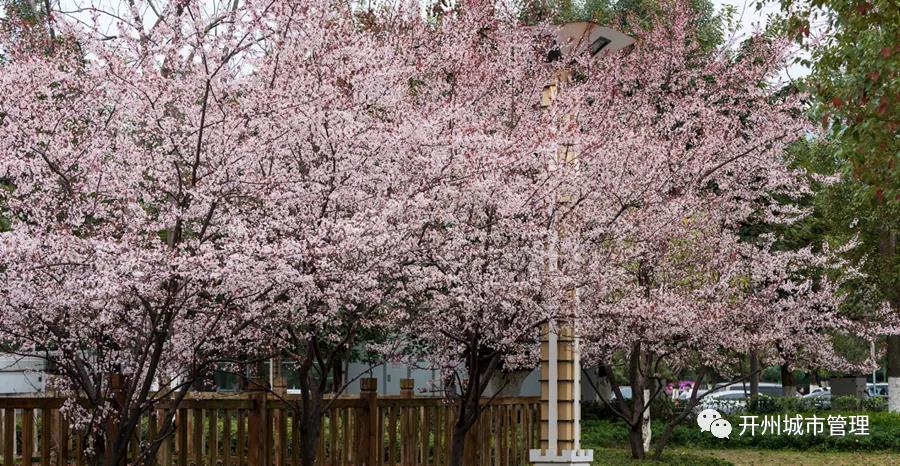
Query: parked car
pixel 725 401
pixel 816 388
pixel 820 398
pixel 765 388
pixel 685 395
pixel 879 390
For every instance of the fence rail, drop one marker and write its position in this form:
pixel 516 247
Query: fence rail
pixel 257 429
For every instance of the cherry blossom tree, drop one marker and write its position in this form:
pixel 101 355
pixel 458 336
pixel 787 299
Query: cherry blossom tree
pixel 133 176
pixel 691 149
pixel 334 89
pixel 484 192
pixel 537 199
pixel 701 300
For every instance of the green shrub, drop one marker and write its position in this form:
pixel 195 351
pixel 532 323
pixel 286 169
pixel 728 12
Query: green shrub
pixel 660 408
pixel 604 433
pixel 596 410
pixel 790 404
pixel 763 404
pixel 846 403
pixel 875 404
pixel 663 408
pixel 884 434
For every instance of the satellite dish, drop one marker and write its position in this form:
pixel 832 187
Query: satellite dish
pixel 584 36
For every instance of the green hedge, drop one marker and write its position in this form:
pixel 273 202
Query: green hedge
pixel 768 405
pixel 664 408
pixel 884 434
pixel 660 408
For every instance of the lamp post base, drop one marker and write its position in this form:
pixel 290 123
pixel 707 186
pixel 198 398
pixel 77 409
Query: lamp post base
pixel 565 457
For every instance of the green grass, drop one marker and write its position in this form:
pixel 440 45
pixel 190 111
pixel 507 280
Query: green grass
pixel 689 446
pixel 884 435
pixel 803 458
pixel 741 457
pixel 619 456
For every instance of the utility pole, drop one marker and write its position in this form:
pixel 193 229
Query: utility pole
pixel 560 358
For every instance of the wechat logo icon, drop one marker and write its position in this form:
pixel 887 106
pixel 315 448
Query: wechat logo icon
pixel 711 421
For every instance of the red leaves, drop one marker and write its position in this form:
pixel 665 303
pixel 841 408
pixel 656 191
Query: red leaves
pixel 886 52
pixel 837 102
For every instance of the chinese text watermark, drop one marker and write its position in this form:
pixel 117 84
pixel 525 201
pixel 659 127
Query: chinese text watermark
pixel 798 424
pixel 836 425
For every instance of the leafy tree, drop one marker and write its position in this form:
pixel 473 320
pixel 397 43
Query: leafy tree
pixel 855 73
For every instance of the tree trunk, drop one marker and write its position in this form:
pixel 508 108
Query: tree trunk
pixel 467 415
pixel 118 446
pixel 311 393
pixel 640 419
pixel 663 439
pixel 788 386
pixel 458 444
pixel 310 430
pixel 99 442
pixel 645 422
pixel 337 377
pixel 888 248
pixel 754 375
pixel 636 440
pixel 893 372
pixel 481 369
pixel 688 410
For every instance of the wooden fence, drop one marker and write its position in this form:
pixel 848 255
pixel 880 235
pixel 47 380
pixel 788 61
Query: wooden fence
pixel 258 429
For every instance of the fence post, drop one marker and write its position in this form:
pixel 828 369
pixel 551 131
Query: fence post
pixel 407 387
pixel 367 449
pixel 117 396
pixel 407 413
pixel 273 426
pixel 258 425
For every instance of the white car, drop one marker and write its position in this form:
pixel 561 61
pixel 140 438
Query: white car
pixel 725 401
pixel 685 395
pixel 819 398
pixel 765 388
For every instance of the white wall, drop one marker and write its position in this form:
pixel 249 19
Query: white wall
pixel 20 375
